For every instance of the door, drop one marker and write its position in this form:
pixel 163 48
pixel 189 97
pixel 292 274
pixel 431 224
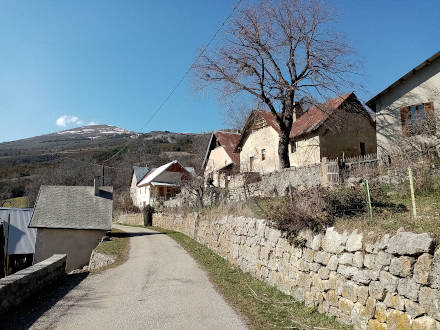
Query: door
pixel 362 145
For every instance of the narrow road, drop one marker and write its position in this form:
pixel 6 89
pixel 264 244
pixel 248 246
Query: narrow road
pixel 160 286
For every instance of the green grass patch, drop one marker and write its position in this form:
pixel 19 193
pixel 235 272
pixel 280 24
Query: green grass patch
pixel 118 246
pixel 17 202
pixel 263 305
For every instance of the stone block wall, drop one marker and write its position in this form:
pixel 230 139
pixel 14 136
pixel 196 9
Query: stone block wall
pixel 392 283
pixel 16 288
pixel 131 219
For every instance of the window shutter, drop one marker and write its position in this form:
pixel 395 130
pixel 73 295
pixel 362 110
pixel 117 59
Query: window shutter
pixel 404 111
pixel 430 116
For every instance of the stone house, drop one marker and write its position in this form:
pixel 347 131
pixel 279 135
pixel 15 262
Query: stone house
pixel 162 183
pixel 221 161
pixel 136 193
pixel 336 128
pixel 406 110
pixel 71 220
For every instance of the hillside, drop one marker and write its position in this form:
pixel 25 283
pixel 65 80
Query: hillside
pixel 68 157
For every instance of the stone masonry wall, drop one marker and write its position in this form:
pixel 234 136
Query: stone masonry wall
pixel 253 185
pixel 393 283
pixel 16 288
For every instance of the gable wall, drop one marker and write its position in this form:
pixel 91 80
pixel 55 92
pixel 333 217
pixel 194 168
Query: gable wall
pixel 307 151
pixel 422 87
pixel 264 138
pixel 345 136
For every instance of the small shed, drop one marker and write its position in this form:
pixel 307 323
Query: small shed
pixel 71 220
pixel 18 240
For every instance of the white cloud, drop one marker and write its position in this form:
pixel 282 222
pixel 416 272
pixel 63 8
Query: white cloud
pixel 66 120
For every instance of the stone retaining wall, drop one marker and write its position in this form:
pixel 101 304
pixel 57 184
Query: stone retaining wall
pixel 16 288
pixel 392 283
pixel 131 219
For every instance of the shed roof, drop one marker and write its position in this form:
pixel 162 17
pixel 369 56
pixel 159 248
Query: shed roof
pixel 21 239
pixel 73 207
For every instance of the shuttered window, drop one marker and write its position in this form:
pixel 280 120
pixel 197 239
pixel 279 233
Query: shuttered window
pixel 418 119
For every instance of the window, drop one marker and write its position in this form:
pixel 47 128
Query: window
pixel 292 146
pixel 418 119
pixel 263 154
pixel 251 164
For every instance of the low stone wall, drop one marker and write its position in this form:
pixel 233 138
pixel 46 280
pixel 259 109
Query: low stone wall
pixel 16 288
pixel 392 283
pixel 131 219
pixel 99 261
pixel 275 183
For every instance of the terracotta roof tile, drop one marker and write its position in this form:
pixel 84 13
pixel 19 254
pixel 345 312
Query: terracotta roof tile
pixel 228 141
pixel 317 115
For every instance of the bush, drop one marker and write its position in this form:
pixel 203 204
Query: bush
pixel 305 209
pixel 148 215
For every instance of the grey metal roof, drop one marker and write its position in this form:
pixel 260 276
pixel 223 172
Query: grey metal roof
pixel 73 207
pixel 140 172
pixel 191 170
pixel 21 239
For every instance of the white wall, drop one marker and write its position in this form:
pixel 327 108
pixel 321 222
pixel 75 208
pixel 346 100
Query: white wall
pixel 421 87
pixel 78 244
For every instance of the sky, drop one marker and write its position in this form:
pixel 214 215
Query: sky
pixel 65 64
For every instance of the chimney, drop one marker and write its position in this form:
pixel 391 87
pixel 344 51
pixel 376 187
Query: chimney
pixel 96 185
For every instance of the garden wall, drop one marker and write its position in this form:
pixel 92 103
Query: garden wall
pixel 16 288
pixel 392 283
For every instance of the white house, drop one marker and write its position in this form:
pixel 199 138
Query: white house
pixel 407 111
pixel 160 184
pixel 136 194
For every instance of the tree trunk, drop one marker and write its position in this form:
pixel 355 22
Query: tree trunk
pixel 283 149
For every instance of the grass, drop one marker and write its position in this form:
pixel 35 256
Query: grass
pixel 389 221
pixel 118 246
pixel 17 202
pixel 263 305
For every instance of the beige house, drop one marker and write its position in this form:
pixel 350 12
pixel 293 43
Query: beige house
pixel 71 220
pixel 407 111
pixel 336 128
pixel 162 183
pixel 221 161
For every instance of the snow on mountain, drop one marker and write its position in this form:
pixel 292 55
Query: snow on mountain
pixel 97 131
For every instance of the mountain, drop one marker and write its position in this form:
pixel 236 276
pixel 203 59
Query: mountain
pixel 75 156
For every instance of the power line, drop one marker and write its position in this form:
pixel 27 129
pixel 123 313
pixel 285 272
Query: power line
pixel 160 107
pixel 202 52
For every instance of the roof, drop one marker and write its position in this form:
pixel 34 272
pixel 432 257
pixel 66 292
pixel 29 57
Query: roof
pixel 313 118
pixel 371 103
pixel 154 173
pixel 21 239
pixel 190 170
pixel 73 207
pixel 310 120
pixel 139 172
pixel 228 140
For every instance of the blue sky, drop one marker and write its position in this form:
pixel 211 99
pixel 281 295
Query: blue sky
pixel 113 62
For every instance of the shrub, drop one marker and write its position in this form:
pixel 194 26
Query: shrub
pixel 148 215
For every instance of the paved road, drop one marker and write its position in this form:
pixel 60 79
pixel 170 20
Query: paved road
pixel 159 287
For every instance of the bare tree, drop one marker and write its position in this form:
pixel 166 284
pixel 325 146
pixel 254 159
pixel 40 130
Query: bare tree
pixel 279 52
